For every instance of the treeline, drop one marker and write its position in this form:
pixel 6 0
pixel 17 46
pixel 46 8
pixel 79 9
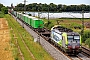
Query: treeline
pixel 1 5
pixel 52 7
pixel 3 9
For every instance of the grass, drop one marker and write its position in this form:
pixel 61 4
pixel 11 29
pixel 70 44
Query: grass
pixel 37 50
pixel 1 15
pixel 13 40
pixel 66 22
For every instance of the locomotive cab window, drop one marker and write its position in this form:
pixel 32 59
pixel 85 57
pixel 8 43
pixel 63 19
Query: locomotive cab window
pixel 70 37
pixel 76 38
pixel 73 39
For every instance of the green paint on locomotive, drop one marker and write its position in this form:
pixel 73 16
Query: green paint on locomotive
pixel 65 38
pixel 80 40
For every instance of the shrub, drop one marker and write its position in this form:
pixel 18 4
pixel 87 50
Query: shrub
pixel 4 10
pixel 85 36
pixel 75 25
pixel 48 25
pixel 1 15
pixel 87 42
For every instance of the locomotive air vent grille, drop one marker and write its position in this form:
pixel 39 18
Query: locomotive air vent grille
pixel 63 29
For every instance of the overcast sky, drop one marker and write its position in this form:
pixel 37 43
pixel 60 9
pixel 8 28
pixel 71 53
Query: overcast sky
pixel 66 2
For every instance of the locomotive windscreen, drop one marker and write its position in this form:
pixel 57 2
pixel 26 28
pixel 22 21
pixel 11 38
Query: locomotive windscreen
pixel 73 39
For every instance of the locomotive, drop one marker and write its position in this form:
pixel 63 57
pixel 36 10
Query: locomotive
pixel 66 39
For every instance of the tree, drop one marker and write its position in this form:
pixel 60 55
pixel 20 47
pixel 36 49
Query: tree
pixel 59 7
pixel 87 42
pixel 19 7
pixel 1 5
pixel 29 7
pixel 52 7
pixel 64 7
pixel 4 10
pixel 34 7
pixel 44 7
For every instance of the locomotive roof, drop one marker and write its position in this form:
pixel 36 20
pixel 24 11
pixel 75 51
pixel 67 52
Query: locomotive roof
pixel 72 33
pixel 61 29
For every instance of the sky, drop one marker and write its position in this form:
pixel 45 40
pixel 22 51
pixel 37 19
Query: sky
pixel 66 2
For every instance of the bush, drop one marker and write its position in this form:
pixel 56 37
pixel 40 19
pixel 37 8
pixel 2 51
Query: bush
pixel 1 15
pixel 85 36
pixel 48 25
pixel 87 42
pixel 75 25
pixel 4 10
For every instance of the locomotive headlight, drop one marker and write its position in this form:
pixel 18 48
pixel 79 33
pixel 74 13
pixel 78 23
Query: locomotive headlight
pixel 80 46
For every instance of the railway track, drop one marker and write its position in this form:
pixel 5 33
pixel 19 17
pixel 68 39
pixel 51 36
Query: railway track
pixel 46 36
pixel 86 51
pixel 76 58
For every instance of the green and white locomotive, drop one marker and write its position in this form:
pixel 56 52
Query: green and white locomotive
pixel 66 39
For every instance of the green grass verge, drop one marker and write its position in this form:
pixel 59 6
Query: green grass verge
pixel 1 15
pixel 37 50
pixel 13 40
pixel 67 22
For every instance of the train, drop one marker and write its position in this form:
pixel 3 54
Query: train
pixel 67 40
